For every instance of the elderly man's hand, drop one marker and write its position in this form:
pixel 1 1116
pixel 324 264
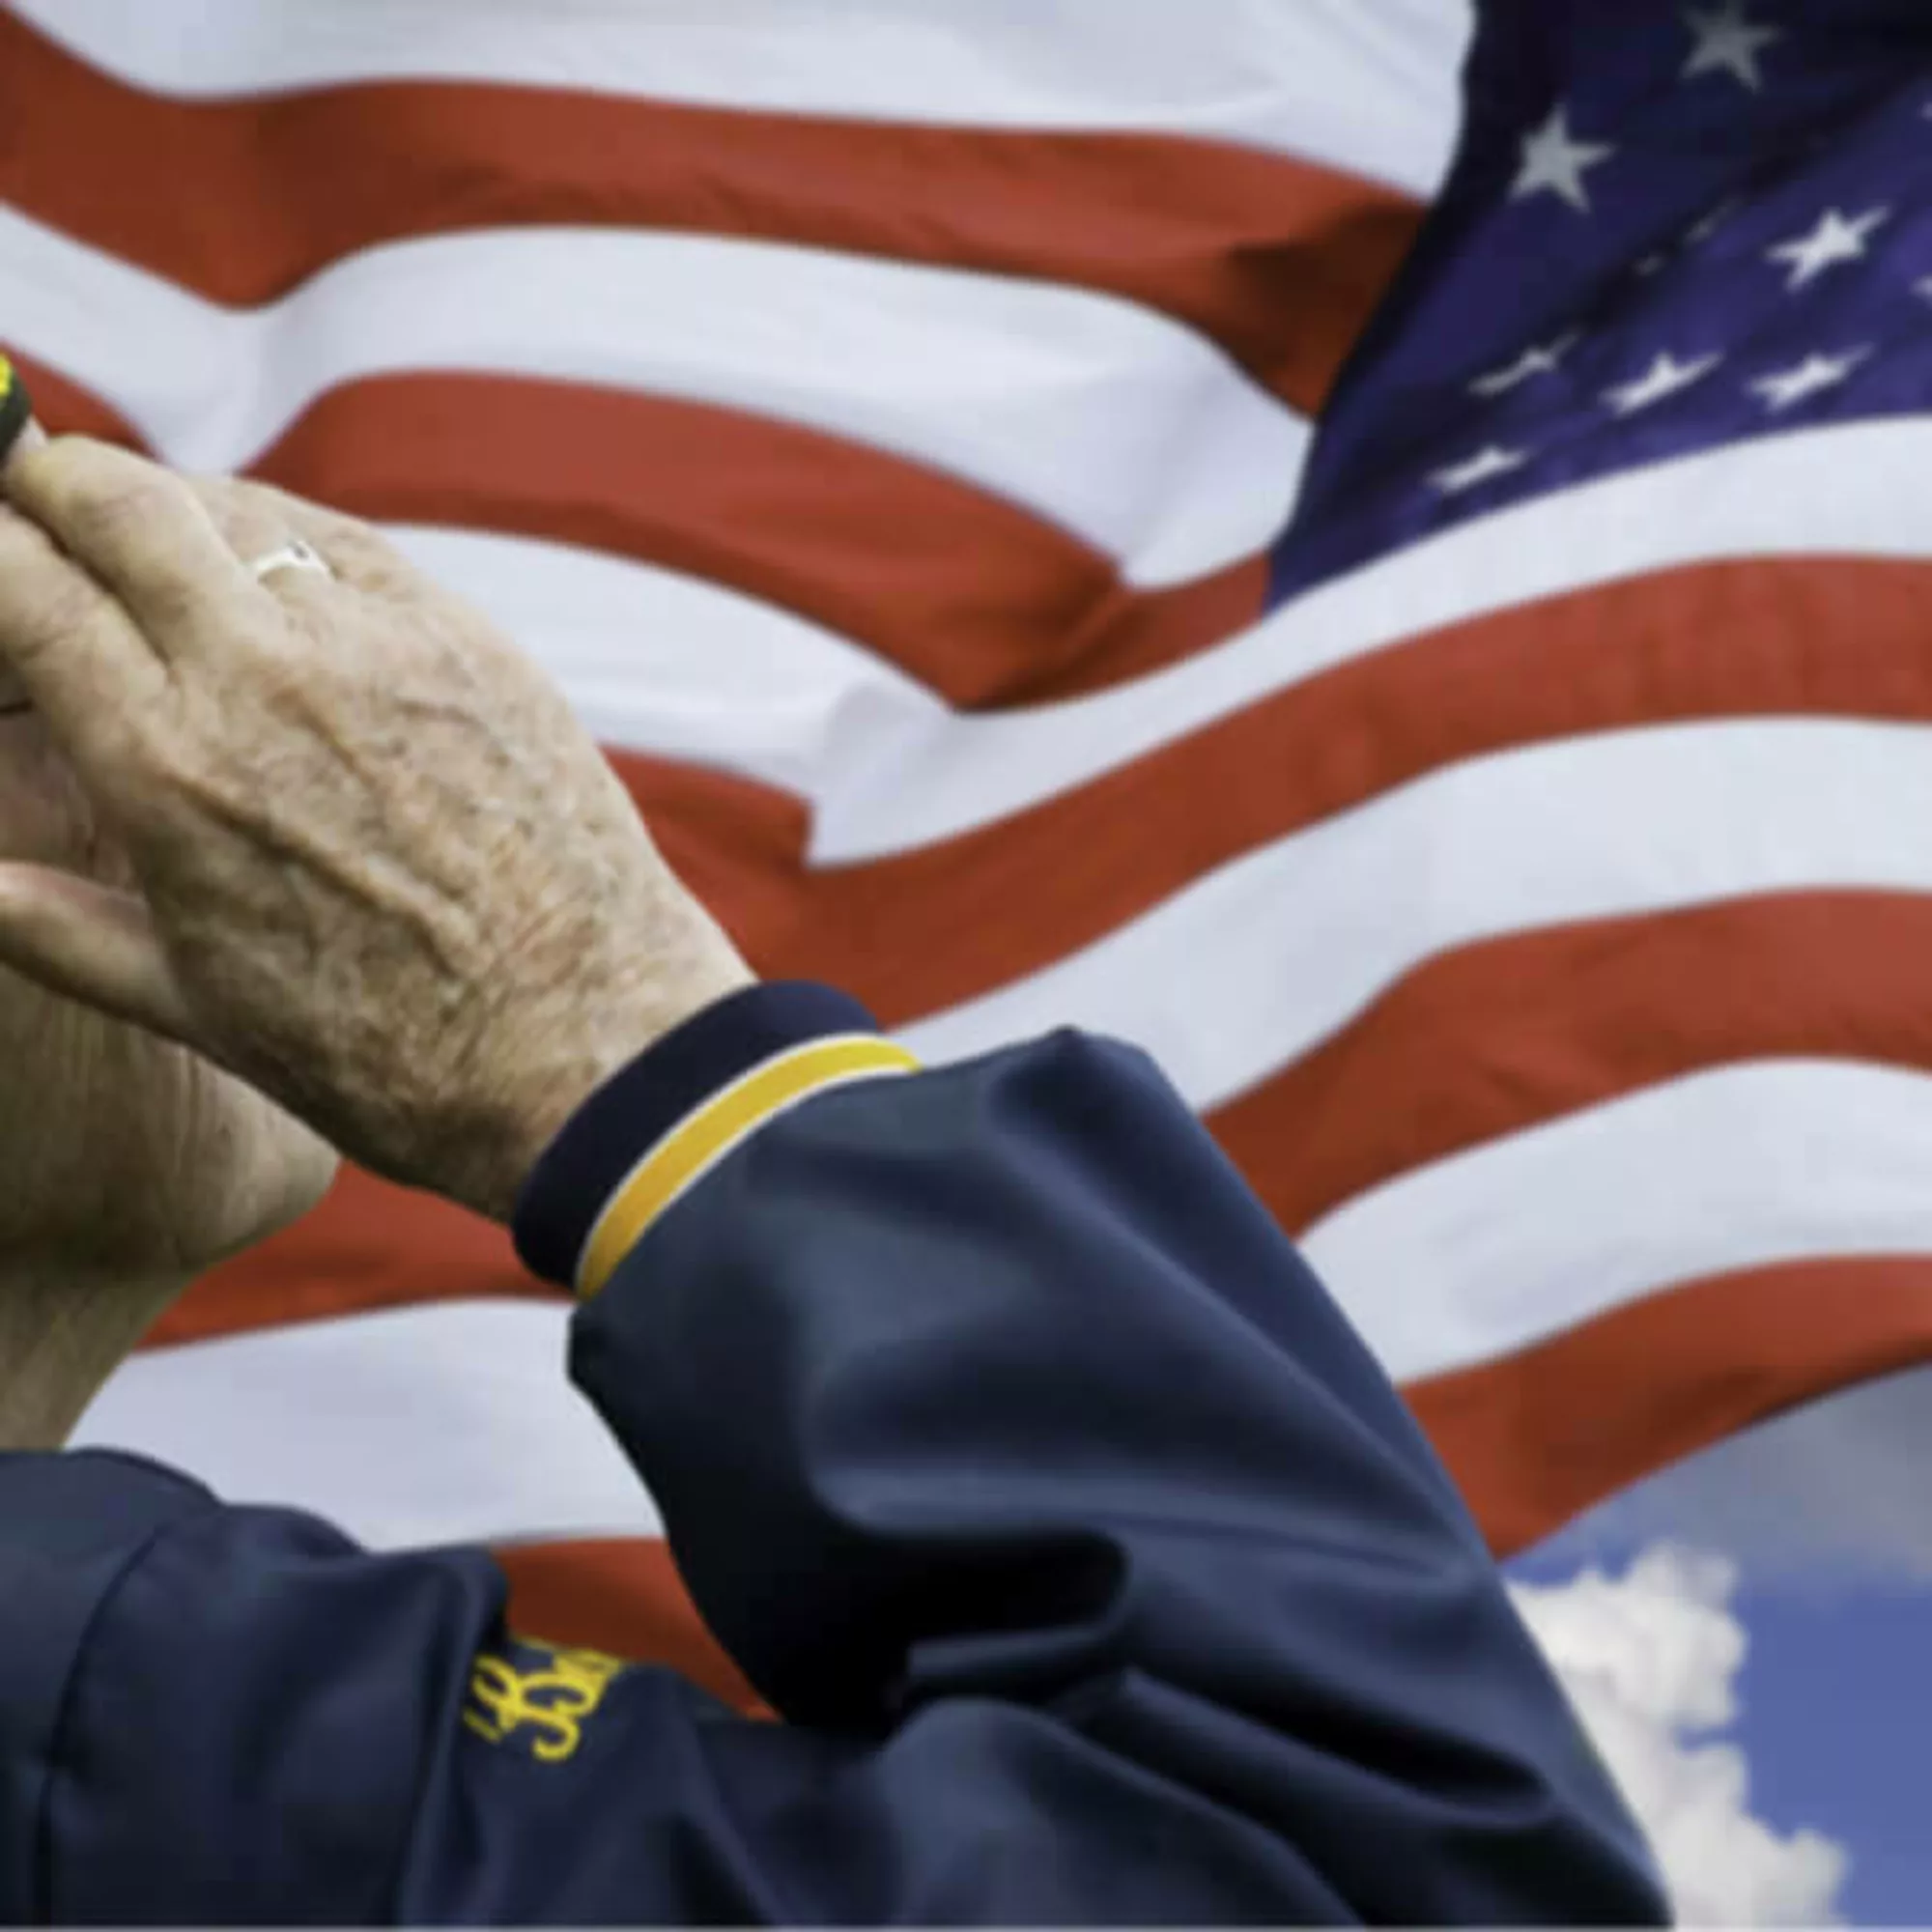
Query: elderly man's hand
pixel 381 870
pixel 125 1160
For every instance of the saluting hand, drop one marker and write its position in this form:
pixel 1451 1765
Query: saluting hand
pixel 377 868
pixel 128 1164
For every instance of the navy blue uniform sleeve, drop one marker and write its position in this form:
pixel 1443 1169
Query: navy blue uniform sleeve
pixel 1015 1456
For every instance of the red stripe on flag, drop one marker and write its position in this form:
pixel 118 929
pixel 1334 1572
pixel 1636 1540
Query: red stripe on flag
pixel 1494 1038
pixel 370 1246
pixel 1771 639
pixel 1279 261
pixel 973 595
pixel 66 409
pixel 1537 1437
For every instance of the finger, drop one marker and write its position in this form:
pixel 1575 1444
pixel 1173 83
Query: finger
pixel 90 943
pixel 308 602
pixel 251 528
pixel 259 523
pixel 143 534
pixel 357 551
pixel 71 649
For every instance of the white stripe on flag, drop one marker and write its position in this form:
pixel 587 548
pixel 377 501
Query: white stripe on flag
pixel 1257 963
pixel 1372 90
pixel 449 1423
pixel 924 773
pixel 1101 415
pixel 1775 1161
pixel 1851 491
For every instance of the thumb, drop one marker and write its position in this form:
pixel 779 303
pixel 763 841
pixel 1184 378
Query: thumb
pixel 90 943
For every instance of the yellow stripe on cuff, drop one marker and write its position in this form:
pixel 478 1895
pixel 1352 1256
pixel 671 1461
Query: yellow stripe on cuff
pixel 704 1136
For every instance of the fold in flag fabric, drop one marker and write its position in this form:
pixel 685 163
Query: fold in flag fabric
pixel 1406 605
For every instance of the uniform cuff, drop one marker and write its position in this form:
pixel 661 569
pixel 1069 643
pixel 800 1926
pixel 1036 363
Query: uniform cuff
pixel 648 1134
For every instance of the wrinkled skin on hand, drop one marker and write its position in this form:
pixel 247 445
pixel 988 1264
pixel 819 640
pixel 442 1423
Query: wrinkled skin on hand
pixel 387 876
pixel 122 1156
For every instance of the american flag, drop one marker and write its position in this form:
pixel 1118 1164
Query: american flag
pixel 1504 815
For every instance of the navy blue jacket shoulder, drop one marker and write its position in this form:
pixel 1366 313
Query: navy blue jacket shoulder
pixel 1013 1452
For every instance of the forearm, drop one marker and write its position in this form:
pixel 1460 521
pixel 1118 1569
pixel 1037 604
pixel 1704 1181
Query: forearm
pixel 989 1405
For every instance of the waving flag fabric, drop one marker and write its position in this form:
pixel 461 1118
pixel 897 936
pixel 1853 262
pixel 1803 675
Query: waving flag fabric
pixel 891 423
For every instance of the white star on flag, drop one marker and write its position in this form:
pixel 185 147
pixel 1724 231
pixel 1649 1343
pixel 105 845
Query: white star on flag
pixel 1667 377
pixel 1834 239
pixel 1553 159
pixel 1481 468
pixel 1728 43
pixel 1814 376
pixel 1544 362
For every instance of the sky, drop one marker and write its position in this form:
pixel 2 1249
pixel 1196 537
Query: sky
pixel 1749 1636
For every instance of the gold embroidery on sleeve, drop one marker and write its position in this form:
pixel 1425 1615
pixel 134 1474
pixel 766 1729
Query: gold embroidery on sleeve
pixel 551 1704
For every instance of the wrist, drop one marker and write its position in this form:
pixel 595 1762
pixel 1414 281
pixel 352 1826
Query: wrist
pixel 578 1050
pixel 662 1122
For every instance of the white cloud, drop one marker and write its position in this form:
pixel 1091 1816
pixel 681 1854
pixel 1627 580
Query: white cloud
pixel 1651 1662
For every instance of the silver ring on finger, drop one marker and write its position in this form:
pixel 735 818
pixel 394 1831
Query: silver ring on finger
pixel 295 555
